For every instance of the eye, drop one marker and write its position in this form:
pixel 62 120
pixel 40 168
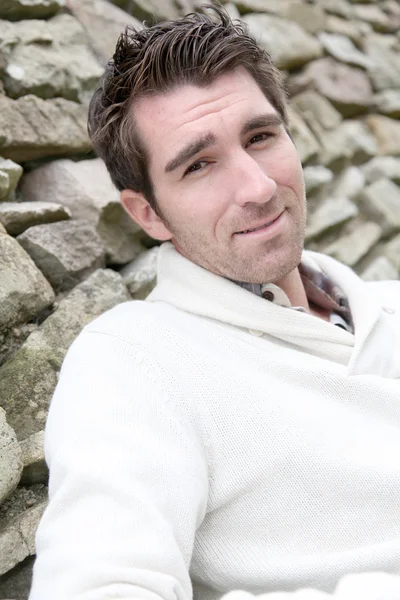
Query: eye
pixel 197 166
pixel 260 137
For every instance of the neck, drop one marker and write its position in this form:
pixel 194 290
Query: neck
pixel 293 287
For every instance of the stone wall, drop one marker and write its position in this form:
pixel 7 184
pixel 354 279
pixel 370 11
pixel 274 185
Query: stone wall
pixel 68 252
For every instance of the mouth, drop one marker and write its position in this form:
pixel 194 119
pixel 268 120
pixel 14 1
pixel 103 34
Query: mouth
pixel 260 227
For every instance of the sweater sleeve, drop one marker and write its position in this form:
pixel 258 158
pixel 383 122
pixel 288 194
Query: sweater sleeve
pixel 356 586
pixel 128 482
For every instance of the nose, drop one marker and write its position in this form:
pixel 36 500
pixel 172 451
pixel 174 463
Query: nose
pixel 252 183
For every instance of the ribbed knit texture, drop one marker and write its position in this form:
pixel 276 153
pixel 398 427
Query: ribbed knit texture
pixel 207 440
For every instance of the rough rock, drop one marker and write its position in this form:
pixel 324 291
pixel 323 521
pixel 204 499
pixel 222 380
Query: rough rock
pixel 381 202
pixel 274 7
pixel 348 88
pixel 376 17
pixel 349 183
pixel 343 49
pixel 17 535
pixel 24 292
pixel 388 103
pixel 352 140
pixel 331 213
pixel 380 269
pixel 32 128
pixel 305 142
pixel 86 189
pixel 384 71
pixel 382 167
pixel 314 108
pixel 140 275
pixel 10 459
pixel 18 216
pixel 65 252
pixel 288 44
pixel 29 9
pixel 386 132
pixel 103 24
pixel 392 251
pixel 355 30
pixel 28 380
pixel 48 59
pixel 351 248
pixel 337 7
pixel 10 174
pixel 316 176
pixel 154 10
pixel 35 469
pixel 310 18
pixel 17 582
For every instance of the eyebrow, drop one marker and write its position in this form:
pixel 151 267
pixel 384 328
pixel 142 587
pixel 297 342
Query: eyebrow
pixel 209 139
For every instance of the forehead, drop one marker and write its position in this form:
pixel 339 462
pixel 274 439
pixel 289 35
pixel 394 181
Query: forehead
pixel 167 119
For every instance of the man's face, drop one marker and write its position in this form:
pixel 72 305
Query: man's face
pixel 222 163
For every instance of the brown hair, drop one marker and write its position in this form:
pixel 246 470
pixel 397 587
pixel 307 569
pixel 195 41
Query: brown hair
pixel 194 49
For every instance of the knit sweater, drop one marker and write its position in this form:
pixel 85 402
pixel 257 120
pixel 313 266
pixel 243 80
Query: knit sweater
pixel 206 440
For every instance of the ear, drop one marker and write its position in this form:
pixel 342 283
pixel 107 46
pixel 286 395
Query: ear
pixel 140 210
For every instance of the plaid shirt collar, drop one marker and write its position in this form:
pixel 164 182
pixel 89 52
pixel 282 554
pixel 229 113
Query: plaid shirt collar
pixel 321 291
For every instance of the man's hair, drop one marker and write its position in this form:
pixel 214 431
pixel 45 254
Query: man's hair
pixel 193 50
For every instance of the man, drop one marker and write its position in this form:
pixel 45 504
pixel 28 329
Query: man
pixel 239 429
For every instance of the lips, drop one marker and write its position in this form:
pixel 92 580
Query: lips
pixel 258 227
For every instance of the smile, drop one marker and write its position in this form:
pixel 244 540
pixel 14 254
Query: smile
pixel 264 226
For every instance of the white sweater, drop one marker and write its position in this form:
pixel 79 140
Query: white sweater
pixel 206 440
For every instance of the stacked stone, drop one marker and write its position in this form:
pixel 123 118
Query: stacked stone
pixel 68 252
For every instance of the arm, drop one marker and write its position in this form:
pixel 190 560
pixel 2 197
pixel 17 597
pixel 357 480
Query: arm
pixel 128 482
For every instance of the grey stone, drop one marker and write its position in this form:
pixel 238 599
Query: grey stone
pixel 352 140
pixel 32 128
pixel 331 213
pixel 10 174
pixel 310 18
pixel 337 7
pixel 305 142
pixel 382 167
pixel 343 49
pixel 154 10
pixel 29 9
pixel 384 71
pixel 24 291
pixel 18 216
pixel 355 30
pixel 351 248
pixel 103 23
pixel 391 7
pixel 288 44
pixel 86 189
pixel 10 459
pixel 314 108
pixel 381 202
pixel 27 381
pixel 34 466
pixel 17 582
pixel 373 15
pixel 17 536
pixel 140 275
pixel 380 269
pixel 55 62
pixel 316 176
pixel 4 185
pixel 273 7
pixel 349 183
pixel 65 252
pixel 386 132
pixel 392 251
pixel 348 88
pixel 388 103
